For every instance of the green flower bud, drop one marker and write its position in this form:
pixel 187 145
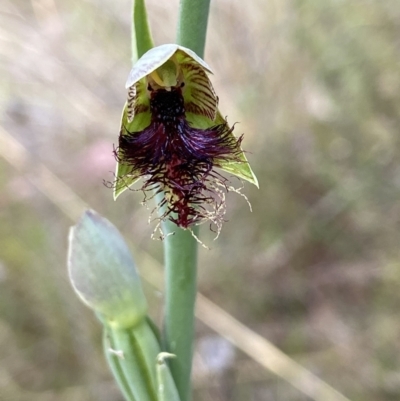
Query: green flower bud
pixel 102 272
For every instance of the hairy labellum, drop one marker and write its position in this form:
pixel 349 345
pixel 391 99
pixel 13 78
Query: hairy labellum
pixel 178 159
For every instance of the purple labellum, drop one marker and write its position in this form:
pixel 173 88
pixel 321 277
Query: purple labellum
pixel 178 159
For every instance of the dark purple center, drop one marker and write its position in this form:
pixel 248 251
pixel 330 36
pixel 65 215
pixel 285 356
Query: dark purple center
pixel 167 106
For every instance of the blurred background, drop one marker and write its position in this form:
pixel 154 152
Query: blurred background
pixel 315 87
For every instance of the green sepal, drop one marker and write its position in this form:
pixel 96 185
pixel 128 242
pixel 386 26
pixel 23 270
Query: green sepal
pixel 157 56
pixel 239 168
pixel 124 175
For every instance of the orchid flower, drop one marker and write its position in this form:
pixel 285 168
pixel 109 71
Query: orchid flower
pixel 174 137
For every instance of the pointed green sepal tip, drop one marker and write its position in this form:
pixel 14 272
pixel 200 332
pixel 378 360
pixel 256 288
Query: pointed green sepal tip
pixel 103 273
pixel 166 386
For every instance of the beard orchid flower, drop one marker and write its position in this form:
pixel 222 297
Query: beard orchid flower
pixel 173 137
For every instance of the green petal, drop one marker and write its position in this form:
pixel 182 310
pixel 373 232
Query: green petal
pixel 138 103
pixel 198 92
pixel 125 176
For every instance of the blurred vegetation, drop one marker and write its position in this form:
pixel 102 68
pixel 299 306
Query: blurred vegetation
pixel 315 85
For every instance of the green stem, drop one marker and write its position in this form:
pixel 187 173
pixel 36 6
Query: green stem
pixel 192 24
pixel 180 249
pixel 142 40
pixel 180 255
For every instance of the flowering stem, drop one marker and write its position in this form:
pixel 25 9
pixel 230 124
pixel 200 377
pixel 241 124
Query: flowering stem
pixel 192 24
pixel 180 248
pixel 180 255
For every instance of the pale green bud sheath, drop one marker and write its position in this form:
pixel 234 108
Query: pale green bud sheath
pixel 132 355
pixel 166 389
pixel 114 362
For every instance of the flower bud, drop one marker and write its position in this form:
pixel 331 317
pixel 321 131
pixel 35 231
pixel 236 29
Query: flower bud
pixel 102 272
